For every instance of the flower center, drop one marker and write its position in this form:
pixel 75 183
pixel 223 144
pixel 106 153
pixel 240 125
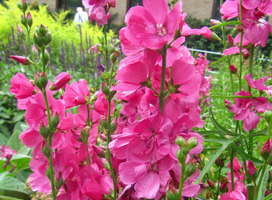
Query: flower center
pixel 161 30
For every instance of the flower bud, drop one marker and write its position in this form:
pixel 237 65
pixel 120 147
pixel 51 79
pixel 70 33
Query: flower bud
pixel 268 115
pixel 189 170
pixel 230 41
pixel 21 59
pixel 192 142
pixel 85 135
pixel 215 22
pixel 44 132
pixel 60 81
pixel 251 168
pixel 55 122
pixel 220 161
pixel 23 20
pixel 46 150
pixel 38 41
pixel 180 141
pixel 266 150
pixel 29 19
pixel 233 69
pixel 210 183
pixel 46 57
pixel 180 155
pixel 42 37
pixel 114 56
pixel 41 81
pixel 245 55
pixel 22 5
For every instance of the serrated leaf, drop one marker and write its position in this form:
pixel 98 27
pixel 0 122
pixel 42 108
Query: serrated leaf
pixel 214 157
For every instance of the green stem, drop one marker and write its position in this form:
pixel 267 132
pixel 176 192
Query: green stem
pixel 50 159
pixel 269 129
pixel 218 188
pixel 231 169
pixel 182 179
pixel 241 47
pixel 86 142
pixel 113 175
pixel 163 77
pixel 233 97
pixel 43 59
pixel 106 48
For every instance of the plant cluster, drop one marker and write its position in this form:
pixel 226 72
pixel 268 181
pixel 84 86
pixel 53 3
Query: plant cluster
pixel 136 137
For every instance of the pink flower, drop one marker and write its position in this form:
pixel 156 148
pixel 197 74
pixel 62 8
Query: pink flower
pixel 21 86
pixel 230 9
pixel 267 151
pixel 243 109
pixel 234 195
pixel 251 168
pixel 98 13
pixel 6 152
pixel 20 59
pixel 60 81
pixel 152 25
pixel 257 32
pixel 258 84
pixel 184 75
pixel 19 29
pixel 76 93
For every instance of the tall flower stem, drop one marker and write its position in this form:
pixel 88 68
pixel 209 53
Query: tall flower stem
pixel 250 150
pixel 161 96
pixel 182 179
pixel 50 159
pixel 240 48
pixel 106 48
pixel 109 129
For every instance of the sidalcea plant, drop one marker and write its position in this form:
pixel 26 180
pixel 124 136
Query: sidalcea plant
pixel 136 138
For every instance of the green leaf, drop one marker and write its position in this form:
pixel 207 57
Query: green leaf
pixel 201 198
pixel 263 184
pixel 220 128
pixel 246 156
pixel 3 139
pixel 215 156
pixel 21 161
pixel 226 24
pixel 7 182
pixel 218 61
pixel 8 198
pixel 14 142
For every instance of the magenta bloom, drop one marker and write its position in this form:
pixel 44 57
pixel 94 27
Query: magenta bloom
pixel 235 195
pixel 258 84
pixel 21 86
pixel 152 25
pixel 60 81
pixel 244 109
pixel 257 32
pixel 20 59
pixel 184 75
pixel 76 93
pixel 6 152
pixel 98 13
